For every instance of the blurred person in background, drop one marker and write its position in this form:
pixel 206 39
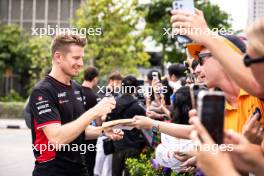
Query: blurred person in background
pixel 247 157
pixel 133 141
pixel 103 162
pixel 91 75
pixel 113 85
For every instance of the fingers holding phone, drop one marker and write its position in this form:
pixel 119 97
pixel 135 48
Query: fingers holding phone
pixel 253 129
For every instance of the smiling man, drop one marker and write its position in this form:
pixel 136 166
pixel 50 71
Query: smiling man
pixel 58 114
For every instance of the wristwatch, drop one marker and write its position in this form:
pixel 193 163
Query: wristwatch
pixel 155 126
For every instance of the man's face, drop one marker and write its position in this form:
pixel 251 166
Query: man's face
pixel 212 69
pixel 115 83
pixel 173 78
pixel 200 75
pixel 257 69
pixel 71 62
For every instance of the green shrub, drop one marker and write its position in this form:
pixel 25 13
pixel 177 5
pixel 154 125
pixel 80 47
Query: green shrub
pixel 12 96
pixel 143 167
pixel 11 110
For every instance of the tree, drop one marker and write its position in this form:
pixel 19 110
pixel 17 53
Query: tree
pixel 119 45
pixel 13 49
pixel 40 56
pixel 28 57
pixel 158 19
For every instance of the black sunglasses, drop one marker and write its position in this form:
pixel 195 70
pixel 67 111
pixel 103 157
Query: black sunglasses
pixel 248 61
pixel 201 57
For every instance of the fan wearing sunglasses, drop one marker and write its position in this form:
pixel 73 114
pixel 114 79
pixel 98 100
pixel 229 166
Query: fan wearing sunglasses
pixel 239 102
pixel 248 74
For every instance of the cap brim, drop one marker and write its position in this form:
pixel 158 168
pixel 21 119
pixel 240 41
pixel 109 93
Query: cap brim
pixel 194 49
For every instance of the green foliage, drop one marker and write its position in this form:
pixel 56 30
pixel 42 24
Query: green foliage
pixel 215 17
pixel 158 18
pixel 26 56
pixel 12 96
pixel 142 166
pixel 11 110
pixel 39 54
pixel 13 47
pixel 120 46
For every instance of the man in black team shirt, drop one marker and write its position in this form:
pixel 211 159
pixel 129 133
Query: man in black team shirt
pixel 90 81
pixel 58 115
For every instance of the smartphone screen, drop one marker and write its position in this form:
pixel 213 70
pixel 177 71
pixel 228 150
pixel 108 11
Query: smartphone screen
pixel 194 91
pixel 155 76
pixel 211 112
pixel 185 5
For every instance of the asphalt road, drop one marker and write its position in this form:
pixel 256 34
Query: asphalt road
pixel 16 156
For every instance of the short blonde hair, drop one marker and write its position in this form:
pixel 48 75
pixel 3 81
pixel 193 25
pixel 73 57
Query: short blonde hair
pixel 255 35
pixel 63 41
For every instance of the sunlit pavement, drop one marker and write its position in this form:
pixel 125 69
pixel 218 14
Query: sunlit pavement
pixel 16 156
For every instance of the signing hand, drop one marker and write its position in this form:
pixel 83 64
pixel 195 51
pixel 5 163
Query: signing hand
pixel 105 106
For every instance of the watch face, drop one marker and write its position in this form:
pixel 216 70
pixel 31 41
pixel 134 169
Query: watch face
pixel 155 129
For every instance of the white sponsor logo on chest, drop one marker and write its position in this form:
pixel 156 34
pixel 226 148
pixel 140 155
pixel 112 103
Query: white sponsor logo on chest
pixel 63 94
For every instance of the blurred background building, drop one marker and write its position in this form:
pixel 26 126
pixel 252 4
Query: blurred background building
pixel 256 10
pixel 38 13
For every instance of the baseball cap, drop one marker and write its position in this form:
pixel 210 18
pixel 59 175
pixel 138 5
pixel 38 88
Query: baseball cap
pixel 231 40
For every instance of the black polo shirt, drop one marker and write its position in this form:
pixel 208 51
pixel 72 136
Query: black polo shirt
pixel 53 102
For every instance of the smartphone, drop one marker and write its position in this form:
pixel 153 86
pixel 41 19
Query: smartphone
pixel 185 5
pixel 194 91
pixel 257 110
pixel 210 109
pixel 155 75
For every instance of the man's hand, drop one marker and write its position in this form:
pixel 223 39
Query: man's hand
pixel 105 106
pixel 142 122
pixel 195 24
pixel 181 156
pixel 209 158
pixel 253 130
pixel 247 157
pixel 114 134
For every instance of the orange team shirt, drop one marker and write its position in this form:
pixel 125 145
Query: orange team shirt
pixel 235 118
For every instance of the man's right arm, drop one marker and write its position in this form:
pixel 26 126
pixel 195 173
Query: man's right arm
pixel 64 134
pixel 47 117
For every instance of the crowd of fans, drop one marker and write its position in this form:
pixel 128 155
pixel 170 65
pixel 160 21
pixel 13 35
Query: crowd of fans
pixel 225 63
